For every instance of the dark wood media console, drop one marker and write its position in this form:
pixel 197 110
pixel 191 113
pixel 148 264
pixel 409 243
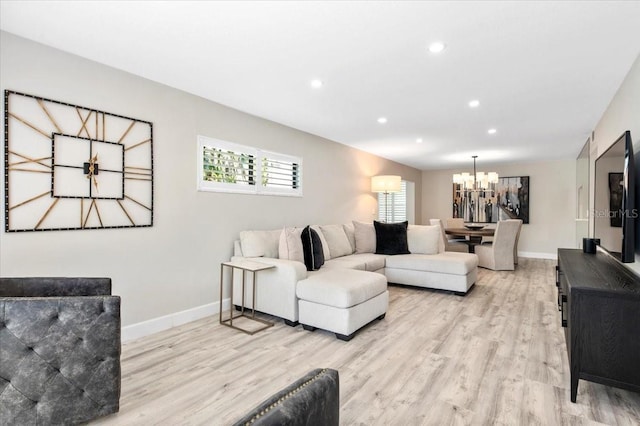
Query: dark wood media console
pixel 599 301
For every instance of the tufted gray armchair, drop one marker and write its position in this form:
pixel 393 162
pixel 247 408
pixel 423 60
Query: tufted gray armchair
pixel 59 350
pixel 312 400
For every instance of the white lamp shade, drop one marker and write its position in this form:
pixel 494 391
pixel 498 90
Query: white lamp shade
pixel 482 180
pixel 385 183
pixel 467 180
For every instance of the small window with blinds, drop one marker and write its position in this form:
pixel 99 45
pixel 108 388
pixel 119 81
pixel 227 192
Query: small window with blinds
pixel 392 207
pixel 228 167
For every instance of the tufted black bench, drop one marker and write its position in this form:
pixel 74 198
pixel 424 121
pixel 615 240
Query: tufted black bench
pixel 59 350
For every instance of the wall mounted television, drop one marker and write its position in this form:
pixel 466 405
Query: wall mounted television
pixel 614 204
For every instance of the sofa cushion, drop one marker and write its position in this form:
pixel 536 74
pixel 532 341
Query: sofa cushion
pixel 363 261
pixel 345 262
pixel 312 248
pixel 446 262
pixel 365 236
pixel 372 261
pixel 337 240
pixel 260 243
pixel 290 246
pixel 341 288
pixel 424 239
pixel 351 235
pixel 391 238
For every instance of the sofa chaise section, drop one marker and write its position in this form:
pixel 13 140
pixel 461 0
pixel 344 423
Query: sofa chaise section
pixel 451 271
pixel 342 300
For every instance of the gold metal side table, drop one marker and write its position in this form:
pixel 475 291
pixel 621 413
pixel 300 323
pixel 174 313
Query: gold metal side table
pixel 253 267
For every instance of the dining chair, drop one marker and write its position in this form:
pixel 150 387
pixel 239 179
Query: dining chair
pixel 489 239
pixel 515 246
pixel 450 244
pixel 500 255
pixel 455 222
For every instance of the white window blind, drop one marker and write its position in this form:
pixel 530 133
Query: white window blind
pixel 280 172
pixel 228 167
pixel 392 207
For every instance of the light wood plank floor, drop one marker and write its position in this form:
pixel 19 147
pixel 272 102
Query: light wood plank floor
pixel 494 357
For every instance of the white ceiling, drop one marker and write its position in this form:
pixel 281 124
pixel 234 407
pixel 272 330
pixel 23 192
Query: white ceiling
pixel 544 72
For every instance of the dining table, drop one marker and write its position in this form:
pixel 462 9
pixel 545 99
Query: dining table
pixel 473 236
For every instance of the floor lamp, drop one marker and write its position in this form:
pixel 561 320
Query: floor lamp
pixel 385 184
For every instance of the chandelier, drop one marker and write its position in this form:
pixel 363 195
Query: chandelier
pixel 474 195
pixel 476 182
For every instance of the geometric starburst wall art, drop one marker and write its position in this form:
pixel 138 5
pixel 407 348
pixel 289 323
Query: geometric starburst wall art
pixel 69 167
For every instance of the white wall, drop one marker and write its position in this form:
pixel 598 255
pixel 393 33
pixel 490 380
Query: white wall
pixel 551 209
pixel 174 265
pixel 623 113
pixel 582 193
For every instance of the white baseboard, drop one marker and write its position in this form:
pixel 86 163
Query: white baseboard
pixel 145 328
pixel 534 255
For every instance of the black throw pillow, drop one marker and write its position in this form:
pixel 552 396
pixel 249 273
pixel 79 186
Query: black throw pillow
pixel 312 249
pixel 391 238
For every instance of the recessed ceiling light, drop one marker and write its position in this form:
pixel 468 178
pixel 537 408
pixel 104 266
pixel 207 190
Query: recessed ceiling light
pixel 316 84
pixel 437 47
pixel 419 140
pixel 382 120
pixel 492 131
pixel 474 103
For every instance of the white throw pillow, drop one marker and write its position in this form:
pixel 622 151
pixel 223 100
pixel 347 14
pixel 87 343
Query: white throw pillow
pixel 260 243
pixel 290 246
pixel 424 239
pixel 351 235
pixel 365 235
pixel 337 240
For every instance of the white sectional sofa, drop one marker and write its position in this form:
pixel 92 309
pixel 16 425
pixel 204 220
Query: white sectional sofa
pixel 349 289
